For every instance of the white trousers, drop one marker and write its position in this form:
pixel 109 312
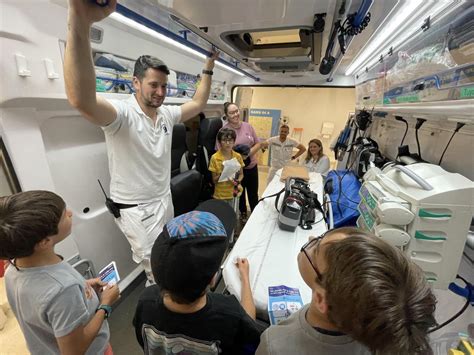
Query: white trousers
pixel 141 226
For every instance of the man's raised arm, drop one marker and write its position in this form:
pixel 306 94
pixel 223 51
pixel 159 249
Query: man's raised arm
pixel 79 73
pixel 196 105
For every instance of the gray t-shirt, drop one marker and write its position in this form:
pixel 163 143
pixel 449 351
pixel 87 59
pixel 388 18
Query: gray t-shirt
pixel 50 302
pixel 296 336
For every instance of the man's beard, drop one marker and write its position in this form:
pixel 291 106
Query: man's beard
pixel 150 103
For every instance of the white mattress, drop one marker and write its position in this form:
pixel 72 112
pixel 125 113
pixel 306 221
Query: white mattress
pixel 271 252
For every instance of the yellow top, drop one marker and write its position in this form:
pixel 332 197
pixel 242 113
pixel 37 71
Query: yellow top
pixel 224 189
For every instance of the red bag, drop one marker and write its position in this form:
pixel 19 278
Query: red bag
pixel 2 268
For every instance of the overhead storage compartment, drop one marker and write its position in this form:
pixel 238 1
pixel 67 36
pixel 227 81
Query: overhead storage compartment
pixel 432 75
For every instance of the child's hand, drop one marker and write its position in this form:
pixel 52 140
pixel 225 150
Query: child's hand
pixel 243 266
pixel 237 190
pixel 96 284
pixel 110 295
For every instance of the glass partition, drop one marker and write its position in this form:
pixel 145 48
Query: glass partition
pixel 436 65
pixel 8 180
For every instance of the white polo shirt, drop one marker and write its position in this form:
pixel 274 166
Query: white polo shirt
pixel 139 152
pixel 281 153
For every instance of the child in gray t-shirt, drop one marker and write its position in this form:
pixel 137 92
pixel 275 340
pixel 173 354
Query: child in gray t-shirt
pixel 57 309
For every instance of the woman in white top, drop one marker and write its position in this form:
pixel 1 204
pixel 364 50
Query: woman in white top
pixel 316 161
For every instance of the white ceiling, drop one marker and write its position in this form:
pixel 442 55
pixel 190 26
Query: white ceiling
pixel 221 16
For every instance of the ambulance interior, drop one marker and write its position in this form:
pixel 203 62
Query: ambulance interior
pixel 387 86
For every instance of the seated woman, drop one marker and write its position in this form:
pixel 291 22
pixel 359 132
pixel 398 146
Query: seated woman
pixel 316 161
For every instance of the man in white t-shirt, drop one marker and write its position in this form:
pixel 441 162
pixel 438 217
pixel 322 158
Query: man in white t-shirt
pixel 281 150
pixel 137 131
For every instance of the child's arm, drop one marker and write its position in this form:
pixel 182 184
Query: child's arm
pixel 215 177
pixel 246 298
pixel 214 169
pixel 241 174
pixel 79 340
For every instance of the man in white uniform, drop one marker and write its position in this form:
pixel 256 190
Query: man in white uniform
pixel 137 130
pixel 281 150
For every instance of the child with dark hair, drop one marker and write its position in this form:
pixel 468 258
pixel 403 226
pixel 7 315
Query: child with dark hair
pixel 367 298
pixel 245 134
pixel 226 190
pixel 58 310
pixel 185 260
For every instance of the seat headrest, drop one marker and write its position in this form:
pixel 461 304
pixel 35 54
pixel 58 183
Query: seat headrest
pixel 209 128
pixel 179 136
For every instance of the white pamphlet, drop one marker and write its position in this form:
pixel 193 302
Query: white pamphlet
pixel 231 167
pixel 110 274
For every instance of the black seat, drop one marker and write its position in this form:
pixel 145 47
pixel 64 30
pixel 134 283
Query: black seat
pixel 185 182
pixel 179 150
pixel 185 191
pixel 208 130
pixel 206 148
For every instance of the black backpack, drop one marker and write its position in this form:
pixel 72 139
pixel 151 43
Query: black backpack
pixel 365 150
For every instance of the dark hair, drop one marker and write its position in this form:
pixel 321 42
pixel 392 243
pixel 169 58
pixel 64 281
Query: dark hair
pixel 284 125
pixel 184 298
pixel 26 218
pixel 377 295
pixel 308 153
pixel 226 106
pixel 226 133
pixel 146 62
pixel 189 250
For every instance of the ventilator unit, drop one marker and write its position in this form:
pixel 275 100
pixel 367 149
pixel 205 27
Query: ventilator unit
pixel 422 209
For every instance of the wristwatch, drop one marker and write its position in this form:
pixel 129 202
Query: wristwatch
pixel 208 72
pixel 106 308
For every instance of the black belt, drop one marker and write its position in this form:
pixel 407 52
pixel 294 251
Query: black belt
pixel 123 206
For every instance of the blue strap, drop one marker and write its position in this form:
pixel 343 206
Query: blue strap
pixel 463 291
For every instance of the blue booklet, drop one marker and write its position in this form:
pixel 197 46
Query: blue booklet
pixel 282 302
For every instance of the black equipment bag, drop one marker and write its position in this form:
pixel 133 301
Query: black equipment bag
pixel 365 150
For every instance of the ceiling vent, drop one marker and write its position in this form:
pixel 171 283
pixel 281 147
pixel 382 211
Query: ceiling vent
pixel 277 50
pixel 277 66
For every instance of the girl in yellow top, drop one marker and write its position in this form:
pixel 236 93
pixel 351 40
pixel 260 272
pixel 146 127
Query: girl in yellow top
pixel 224 190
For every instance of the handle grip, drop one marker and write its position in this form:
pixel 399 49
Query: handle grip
pixel 415 177
pixel 101 3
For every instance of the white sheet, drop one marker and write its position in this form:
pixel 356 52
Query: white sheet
pixel 231 167
pixel 271 252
